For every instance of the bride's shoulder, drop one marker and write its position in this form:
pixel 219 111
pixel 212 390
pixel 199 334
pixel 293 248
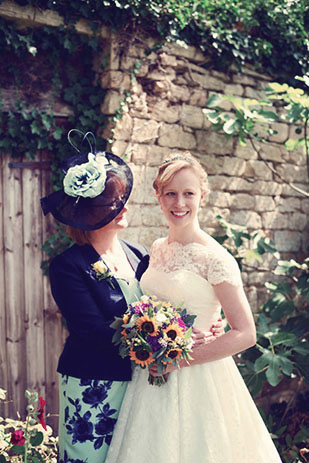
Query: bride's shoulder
pixel 157 244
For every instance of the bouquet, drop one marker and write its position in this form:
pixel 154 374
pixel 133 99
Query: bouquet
pixel 154 331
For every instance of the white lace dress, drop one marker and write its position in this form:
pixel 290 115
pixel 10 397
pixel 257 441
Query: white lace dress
pixel 204 413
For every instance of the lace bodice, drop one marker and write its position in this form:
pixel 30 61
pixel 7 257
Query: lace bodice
pixel 184 275
pixel 212 262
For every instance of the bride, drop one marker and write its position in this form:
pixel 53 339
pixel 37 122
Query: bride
pixel 204 413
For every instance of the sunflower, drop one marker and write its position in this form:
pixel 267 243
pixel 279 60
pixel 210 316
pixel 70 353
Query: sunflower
pixel 172 331
pixel 148 325
pixel 174 354
pixel 142 357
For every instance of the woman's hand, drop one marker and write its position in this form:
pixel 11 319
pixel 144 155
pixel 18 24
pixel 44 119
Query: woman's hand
pixel 205 337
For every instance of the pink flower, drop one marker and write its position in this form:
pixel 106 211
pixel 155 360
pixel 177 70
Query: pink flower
pixel 181 324
pixel 41 412
pixel 17 437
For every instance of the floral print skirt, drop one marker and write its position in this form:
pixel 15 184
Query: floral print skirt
pixel 88 412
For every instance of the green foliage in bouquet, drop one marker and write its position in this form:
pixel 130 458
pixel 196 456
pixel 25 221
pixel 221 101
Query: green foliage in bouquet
pixel 28 441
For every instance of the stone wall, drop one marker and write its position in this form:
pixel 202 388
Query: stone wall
pixel 164 114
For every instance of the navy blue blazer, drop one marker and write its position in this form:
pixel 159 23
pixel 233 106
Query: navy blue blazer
pixel 89 307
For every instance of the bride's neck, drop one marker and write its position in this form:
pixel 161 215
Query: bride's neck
pixel 185 236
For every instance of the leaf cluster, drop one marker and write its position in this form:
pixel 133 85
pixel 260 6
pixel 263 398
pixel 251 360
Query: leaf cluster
pixel 270 34
pixel 281 353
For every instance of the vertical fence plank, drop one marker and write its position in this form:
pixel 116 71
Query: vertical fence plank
pixel 3 356
pixel 55 333
pixel 14 292
pixel 33 281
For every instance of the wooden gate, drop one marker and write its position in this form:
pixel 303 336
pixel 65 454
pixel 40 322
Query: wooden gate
pixel 31 331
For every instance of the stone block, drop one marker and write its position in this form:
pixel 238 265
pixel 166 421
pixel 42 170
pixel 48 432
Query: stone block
pixel 253 93
pixel 274 220
pixel 145 131
pixel 243 79
pixel 242 201
pixel 213 142
pixel 219 199
pixel 250 220
pixel 205 81
pixel 148 235
pixel 167 60
pixel 134 215
pixel 304 205
pixel 298 221
pixel 121 148
pixel 287 190
pixel 192 116
pixel 116 80
pixel 174 136
pixel 123 128
pixel 207 216
pixel 233 166
pixel 271 152
pixel 225 183
pixel 266 188
pixel 211 163
pixel 296 157
pixel 178 93
pixel 111 102
pixel 264 203
pixel 257 169
pixel 234 89
pixel 293 173
pixel 157 74
pixel 245 152
pixel 287 204
pixel 152 216
pixel 161 110
pixel 287 241
pixel 198 97
pixel 282 132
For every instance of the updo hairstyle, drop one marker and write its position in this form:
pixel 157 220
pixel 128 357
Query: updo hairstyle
pixel 170 167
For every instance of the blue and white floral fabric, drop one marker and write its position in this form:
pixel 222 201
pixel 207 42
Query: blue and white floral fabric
pixel 88 414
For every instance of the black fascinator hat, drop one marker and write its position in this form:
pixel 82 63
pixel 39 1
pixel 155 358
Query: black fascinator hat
pixel 95 189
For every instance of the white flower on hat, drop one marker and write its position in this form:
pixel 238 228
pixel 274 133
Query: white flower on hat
pixel 88 179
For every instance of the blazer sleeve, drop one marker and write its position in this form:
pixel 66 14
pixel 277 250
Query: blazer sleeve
pixel 83 314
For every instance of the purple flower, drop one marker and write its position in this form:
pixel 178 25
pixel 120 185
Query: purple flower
pixel 153 341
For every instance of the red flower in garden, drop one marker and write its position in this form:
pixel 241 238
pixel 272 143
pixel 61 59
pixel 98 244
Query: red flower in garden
pixel 41 412
pixel 17 437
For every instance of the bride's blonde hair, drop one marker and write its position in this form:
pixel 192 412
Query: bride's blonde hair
pixel 170 167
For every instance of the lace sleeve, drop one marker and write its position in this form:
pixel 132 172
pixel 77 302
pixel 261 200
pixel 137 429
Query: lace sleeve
pixel 222 267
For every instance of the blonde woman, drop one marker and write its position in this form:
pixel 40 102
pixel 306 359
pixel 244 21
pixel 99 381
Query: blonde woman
pixel 204 413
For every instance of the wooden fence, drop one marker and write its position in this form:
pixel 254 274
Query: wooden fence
pixel 31 331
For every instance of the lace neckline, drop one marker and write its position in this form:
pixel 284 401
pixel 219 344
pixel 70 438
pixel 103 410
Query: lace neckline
pixel 177 244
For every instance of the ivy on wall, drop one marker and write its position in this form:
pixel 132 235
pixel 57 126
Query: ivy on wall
pixel 54 61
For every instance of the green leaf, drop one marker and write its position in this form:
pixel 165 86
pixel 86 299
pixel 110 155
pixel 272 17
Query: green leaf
pixel 3 459
pixel 37 439
pixel 287 339
pixel 213 101
pixel 18 449
pixel 230 126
